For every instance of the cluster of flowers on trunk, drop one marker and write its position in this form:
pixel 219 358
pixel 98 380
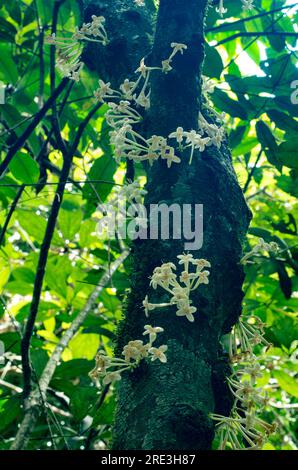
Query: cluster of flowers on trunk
pixel 109 369
pixel 124 114
pixel 179 287
pixel 244 429
pixel 69 49
pixel 125 105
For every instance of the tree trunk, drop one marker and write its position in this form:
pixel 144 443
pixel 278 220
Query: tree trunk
pixel 166 406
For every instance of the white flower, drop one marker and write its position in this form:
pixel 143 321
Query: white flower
pixel 102 362
pixel 103 91
pixel 196 140
pixel 170 157
pixel 156 142
pixel 143 100
pixel 111 377
pixel 178 47
pixel 162 276
pixel 178 135
pixel 180 294
pixel 166 66
pixel 127 88
pixel 207 85
pixel 201 264
pixel 151 157
pixel 95 28
pixel 135 350
pixel 152 332
pixel 142 69
pixel 220 9
pixel 169 266
pixel 186 277
pixel 148 306
pixel 185 258
pixel 185 310
pixel 203 277
pixel 159 353
pixel 247 5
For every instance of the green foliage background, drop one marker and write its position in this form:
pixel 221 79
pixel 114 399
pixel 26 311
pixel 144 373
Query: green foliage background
pixel 253 74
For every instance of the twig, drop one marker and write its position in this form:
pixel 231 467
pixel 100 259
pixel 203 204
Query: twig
pixel 10 213
pixel 227 25
pixel 256 34
pixel 252 171
pixel 32 126
pixel 55 121
pixel 43 256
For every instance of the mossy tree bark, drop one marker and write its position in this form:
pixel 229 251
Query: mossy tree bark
pixel 166 406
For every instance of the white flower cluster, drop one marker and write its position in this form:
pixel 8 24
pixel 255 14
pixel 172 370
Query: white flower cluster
pixel 177 47
pixel 165 277
pixel 193 139
pixel 114 213
pixel 95 29
pixel 131 193
pixel 258 250
pixel 208 85
pixel 244 428
pixel 130 144
pixel 122 115
pixel 216 134
pixel 246 6
pixel 69 49
pixel 110 369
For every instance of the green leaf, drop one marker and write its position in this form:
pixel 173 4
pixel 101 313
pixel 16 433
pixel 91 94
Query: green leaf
pixel 24 168
pixel 105 414
pixel 81 402
pixel 70 222
pixel 286 382
pixel 283 120
pixel 4 273
pixel 227 104
pixel 287 153
pixel 213 65
pixel 84 346
pixel 9 411
pixel 245 146
pixel 8 70
pixel 103 169
pixel 268 143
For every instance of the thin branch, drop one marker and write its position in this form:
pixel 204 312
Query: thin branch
pixel 43 256
pixel 32 126
pixel 256 34
pixel 227 25
pixel 55 120
pixel 33 410
pixel 252 171
pixel 54 183
pixel 10 213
